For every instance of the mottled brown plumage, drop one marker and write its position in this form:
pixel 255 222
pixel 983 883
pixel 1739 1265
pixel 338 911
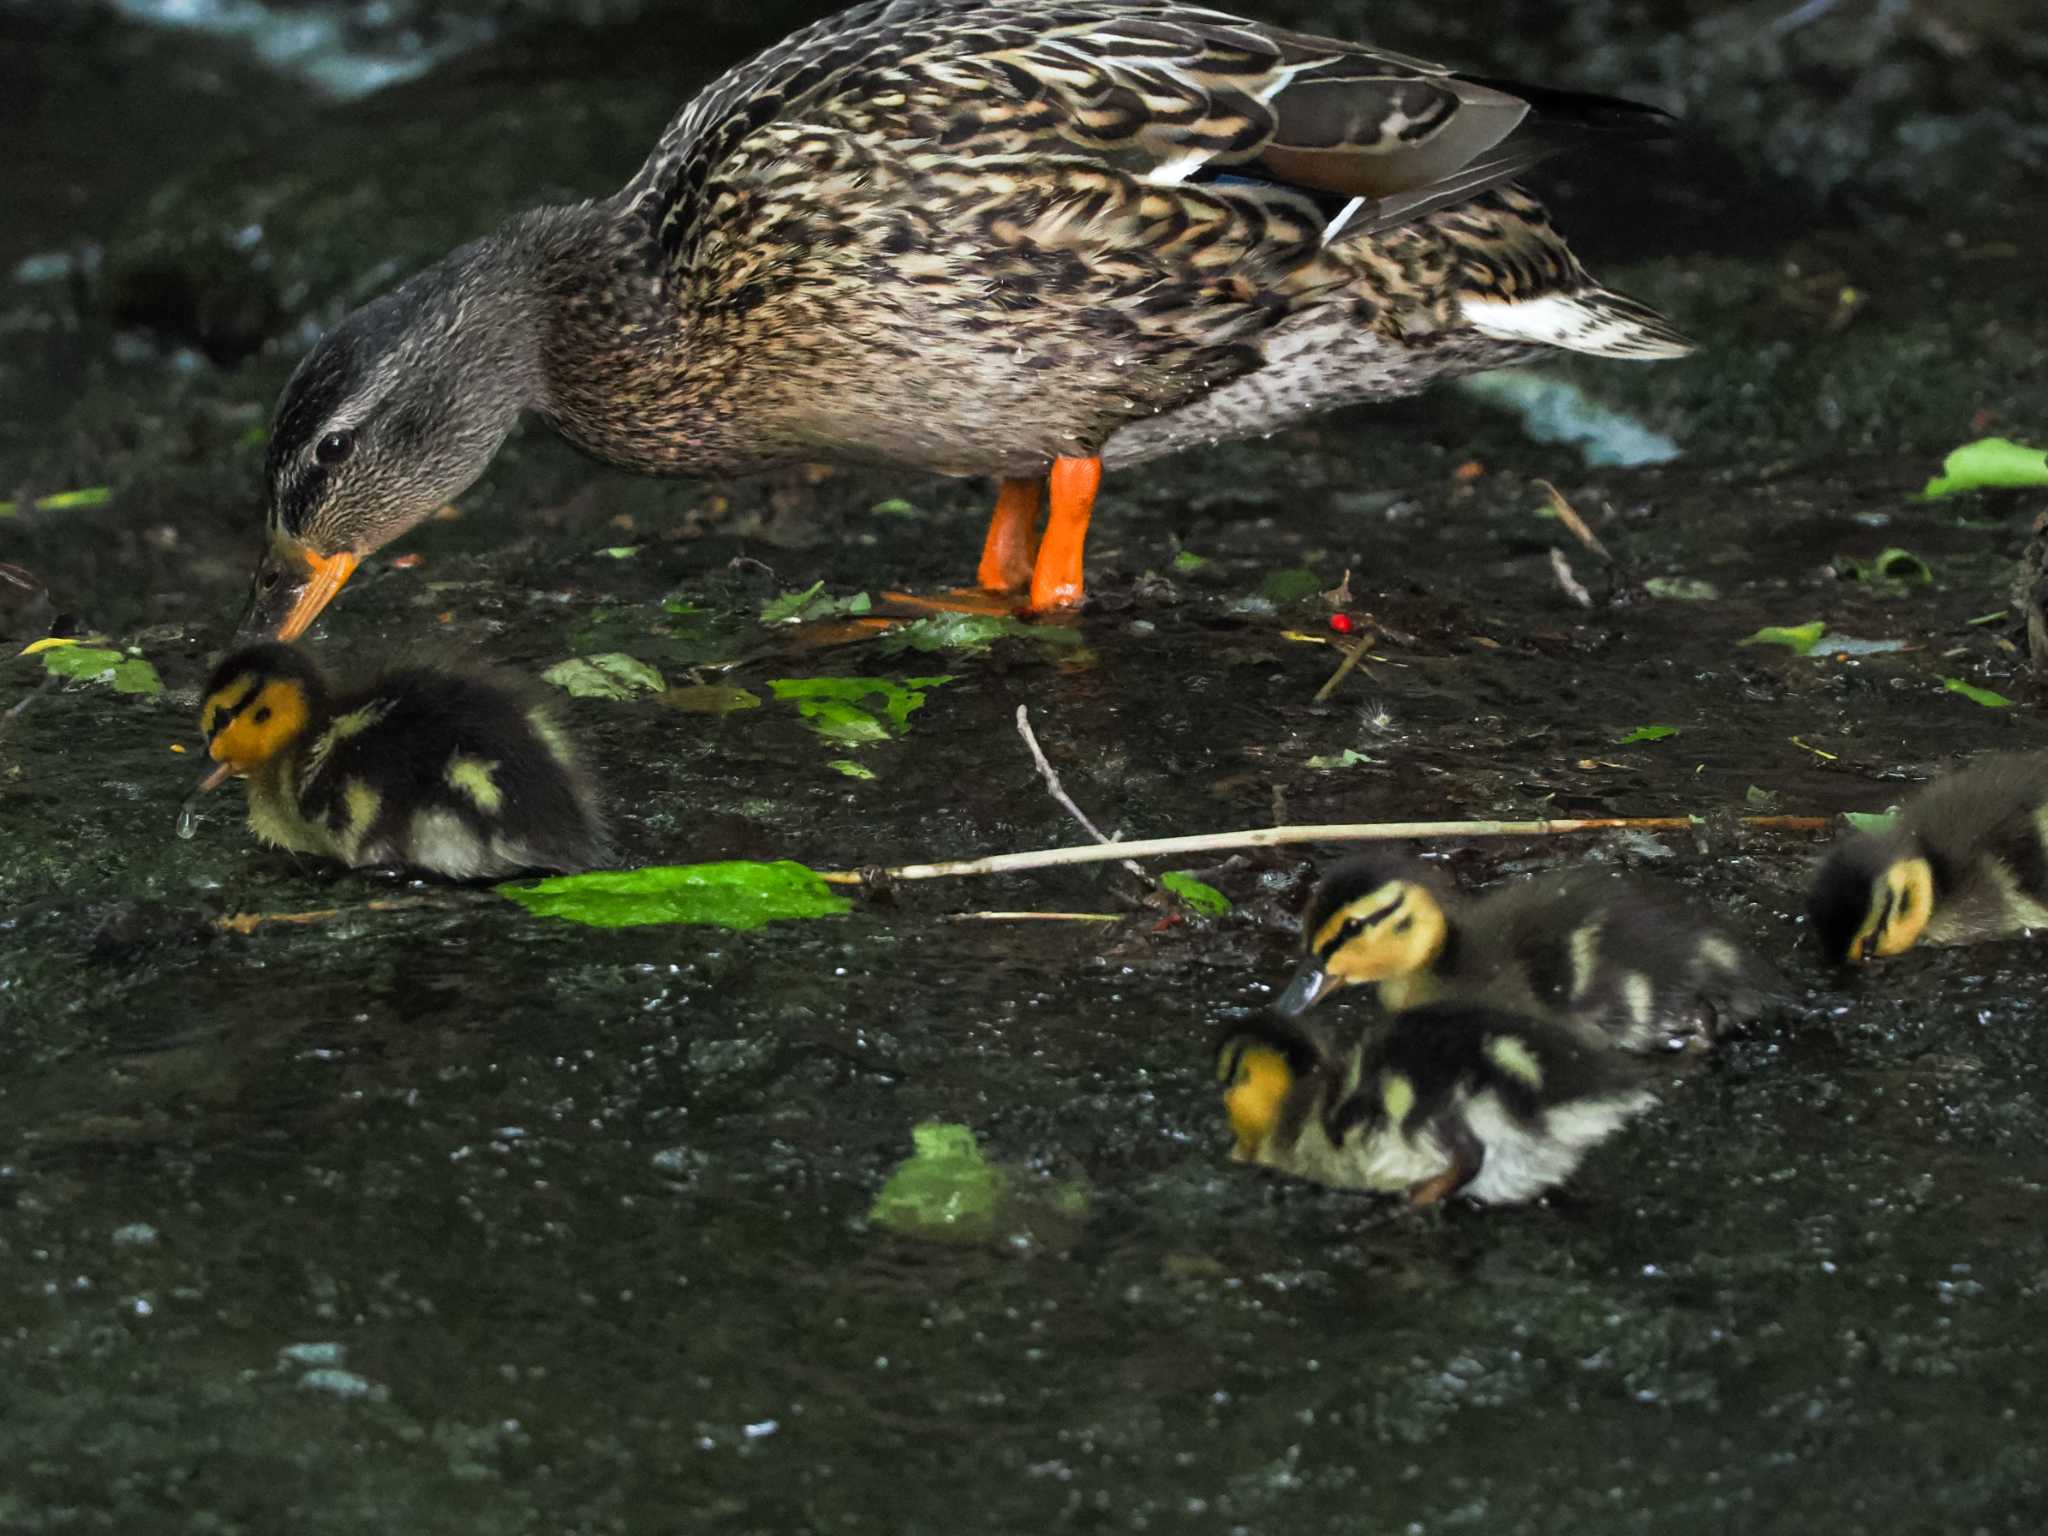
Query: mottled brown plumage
pixel 975 238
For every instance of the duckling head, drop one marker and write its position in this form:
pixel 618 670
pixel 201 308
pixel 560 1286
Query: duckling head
pixel 1871 899
pixel 1258 1071
pixel 1373 917
pixel 258 703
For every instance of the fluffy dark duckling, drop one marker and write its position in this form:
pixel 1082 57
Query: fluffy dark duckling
pixel 1966 859
pixel 1446 1099
pixel 465 776
pixel 1617 960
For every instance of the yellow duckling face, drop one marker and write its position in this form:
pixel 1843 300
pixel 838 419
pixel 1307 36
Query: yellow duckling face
pixel 1257 1079
pixel 1901 902
pixel 1870 901
pixel 256 707
pixel 1371 920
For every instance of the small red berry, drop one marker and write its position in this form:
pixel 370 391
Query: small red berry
pixel 1341 622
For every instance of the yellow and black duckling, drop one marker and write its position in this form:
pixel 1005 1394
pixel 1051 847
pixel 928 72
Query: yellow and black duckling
pixel 1445 1099
pixel 1615 959
pixel 1023 239
pixel 1966 859
pixel 464 776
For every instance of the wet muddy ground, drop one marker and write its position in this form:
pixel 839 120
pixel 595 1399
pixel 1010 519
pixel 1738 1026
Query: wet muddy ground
pixel 429 1215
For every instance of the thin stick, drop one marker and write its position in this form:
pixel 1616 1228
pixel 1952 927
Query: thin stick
pixel 1052 783
pixel 248 922
pixel 1033 917
pixel 1562 569
pixel 1352 658
pixel 1335 832
pixel 1568 515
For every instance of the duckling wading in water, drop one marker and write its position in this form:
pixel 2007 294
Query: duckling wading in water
pixel 1614 959
pixel 1441 1100
pixel 1966 859
pixel 460 775
pixel 1016 238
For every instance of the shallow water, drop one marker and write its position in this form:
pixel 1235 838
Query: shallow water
pixel 433 1216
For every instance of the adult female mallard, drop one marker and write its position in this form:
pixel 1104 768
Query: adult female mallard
pixel 1016 238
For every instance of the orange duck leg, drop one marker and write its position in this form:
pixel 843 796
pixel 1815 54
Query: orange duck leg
pixel 1056 580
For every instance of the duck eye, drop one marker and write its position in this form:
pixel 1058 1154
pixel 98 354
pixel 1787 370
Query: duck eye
pixel 267 580
pixel 262 714
pixel 334 447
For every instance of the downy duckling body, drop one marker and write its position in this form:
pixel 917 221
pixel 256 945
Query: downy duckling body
pixel 1614 959
pixel 1445 1099
pixel 461 775
pixel 1966 859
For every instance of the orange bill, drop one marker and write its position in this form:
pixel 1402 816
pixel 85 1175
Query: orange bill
pixel 327 575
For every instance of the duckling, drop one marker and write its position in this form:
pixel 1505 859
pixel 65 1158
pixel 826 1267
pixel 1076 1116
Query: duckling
pixel 1445 1099
pixel 1614 959
pixel 463 776
pixel 1966 859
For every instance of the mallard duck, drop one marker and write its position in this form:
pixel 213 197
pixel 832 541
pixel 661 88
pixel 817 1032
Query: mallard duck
pixel 463 776
pixel 1965 859
pixel 1445 1099
pixel 1016 238
pixel 1616 960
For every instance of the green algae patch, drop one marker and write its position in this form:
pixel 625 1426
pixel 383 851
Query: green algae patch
pixel 1876 823
pixel 610 675
pixel 94 664
pixel 1646 733
pixel 947 1191
pixel 856 711
pixel 740 894
pixel 1199 895
pixel 1990 463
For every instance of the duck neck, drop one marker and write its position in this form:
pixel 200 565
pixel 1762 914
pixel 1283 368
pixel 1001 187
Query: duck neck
pixel 608 341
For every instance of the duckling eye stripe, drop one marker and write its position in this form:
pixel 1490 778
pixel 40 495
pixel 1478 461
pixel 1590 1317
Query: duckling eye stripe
pixel 1352 927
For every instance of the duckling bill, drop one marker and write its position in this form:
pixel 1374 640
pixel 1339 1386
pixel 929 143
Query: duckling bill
pixel 1965 859
pixel 1617 960
pixel 1021 239
pixel 1442 1100
pixel 464 776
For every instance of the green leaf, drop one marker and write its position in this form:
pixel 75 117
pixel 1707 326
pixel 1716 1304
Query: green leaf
pixel 970 634
pixel 608 675
pixel 1646 733
pixel 1975 694
pixel 709 699
pixel 1762 799
pixel 1799 638
pixel 1989 462
pixel 850 768
pixel 62 501
pixel 620 551
pixel 91 664
pixel 837 708
pixel 1682 589
pixel 895 506
pixel 945 1188
pixel 1902 566
pixel 1348 758
pixel 679 605
pixel 1876 823
pixel 811 605
pixel 1187 562
pixel 1294 585
pixel 740 894
pixel 1205 899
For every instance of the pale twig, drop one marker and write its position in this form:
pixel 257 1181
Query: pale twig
pixel 246 923
pixel 1562 569
pixel 1571 519
pixel 1352 658
pixel 1336 832
pixel 1033 917
pixel 1052 783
